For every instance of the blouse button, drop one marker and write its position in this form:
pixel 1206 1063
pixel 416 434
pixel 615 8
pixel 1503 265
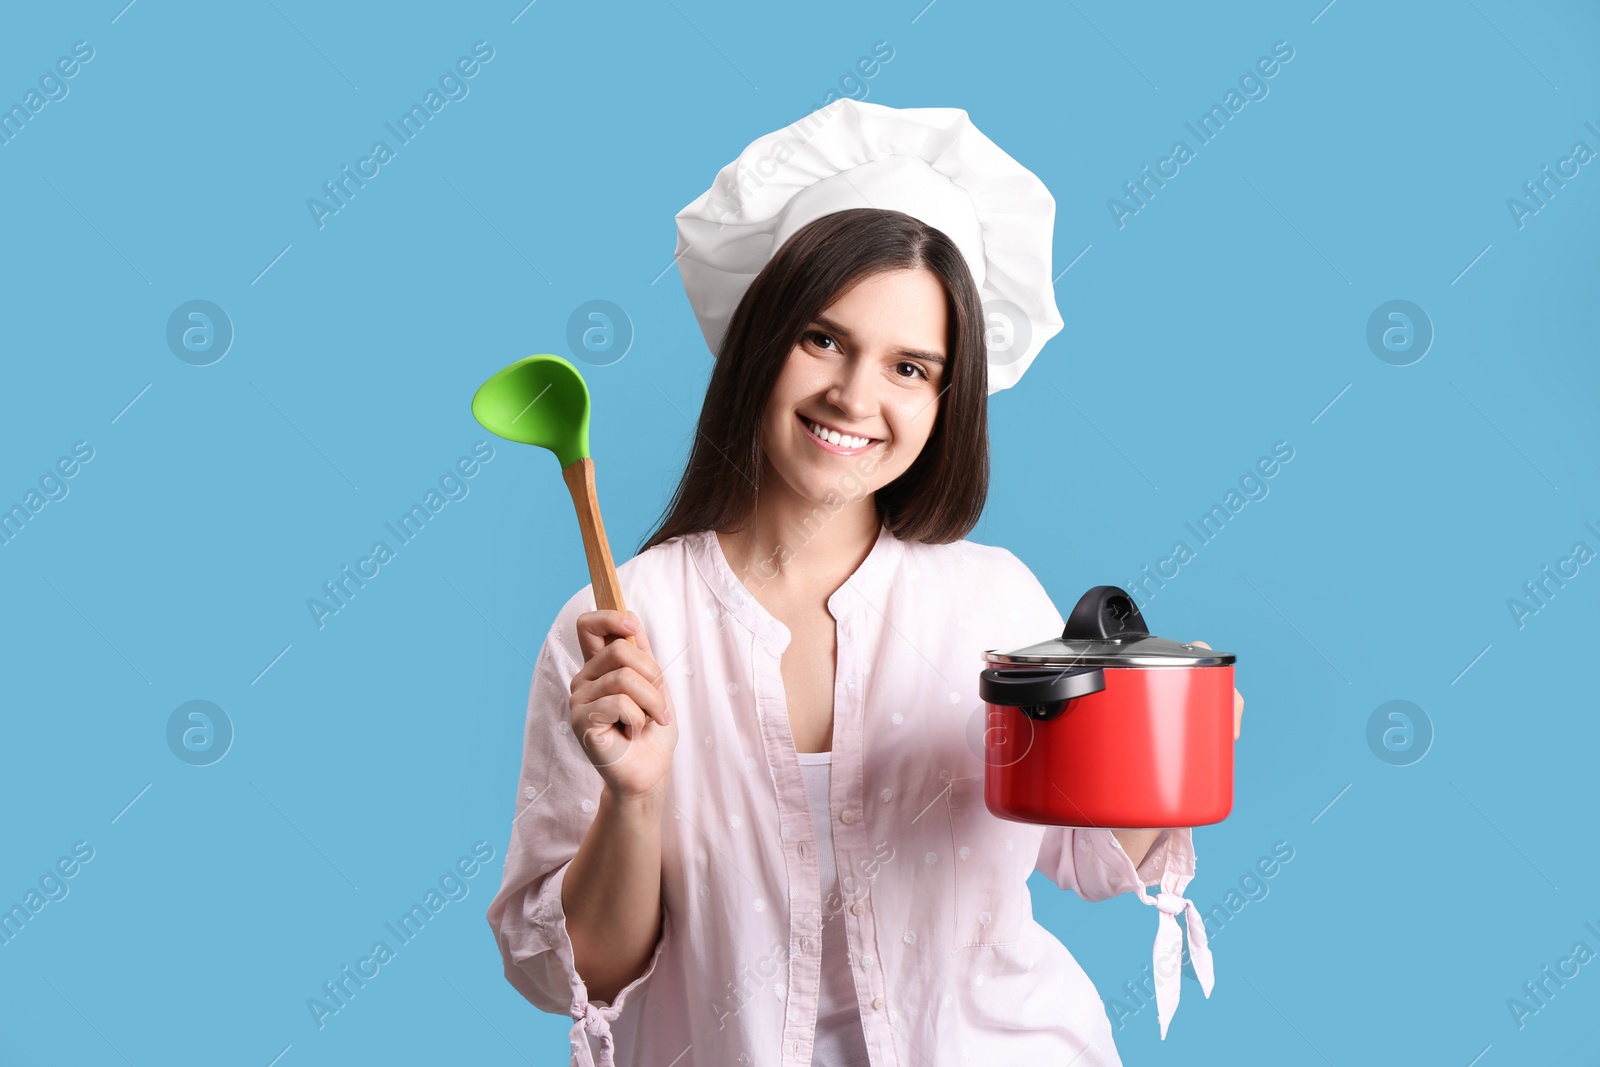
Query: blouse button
pixel 877 1002
pixel 857 908
pixel 847 816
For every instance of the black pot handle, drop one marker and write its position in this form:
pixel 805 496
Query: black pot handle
pixel 1105 611
pixel 1039 692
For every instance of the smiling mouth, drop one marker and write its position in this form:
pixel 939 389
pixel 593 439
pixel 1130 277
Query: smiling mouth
pixel 833 440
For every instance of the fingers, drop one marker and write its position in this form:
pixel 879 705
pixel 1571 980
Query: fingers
pixel 595 721
pixel 600 656
pixel 620 668
pixel 623 710
pixel 597 628
pixel 625 682
pixel 619 655
pixel 638 633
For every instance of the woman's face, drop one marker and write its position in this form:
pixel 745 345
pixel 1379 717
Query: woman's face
pixel 869 366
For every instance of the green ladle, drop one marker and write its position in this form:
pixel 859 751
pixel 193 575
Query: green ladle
pixel 542 400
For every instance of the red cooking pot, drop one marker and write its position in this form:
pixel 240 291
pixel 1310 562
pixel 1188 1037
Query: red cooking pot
pixel 1108 726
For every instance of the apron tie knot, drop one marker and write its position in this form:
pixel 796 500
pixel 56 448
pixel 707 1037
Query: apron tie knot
pixel 589 1020
pixel 1168 961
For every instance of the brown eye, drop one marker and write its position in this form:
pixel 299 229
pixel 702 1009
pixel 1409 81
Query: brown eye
pixel 816 337
pixel 915 366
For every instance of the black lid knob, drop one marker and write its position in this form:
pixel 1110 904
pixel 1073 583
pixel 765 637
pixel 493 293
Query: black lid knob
pixel 1106 611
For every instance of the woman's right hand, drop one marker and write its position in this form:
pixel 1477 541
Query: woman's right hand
pixel 621 685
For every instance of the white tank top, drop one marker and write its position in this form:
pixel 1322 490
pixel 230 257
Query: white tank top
pixel 839 1039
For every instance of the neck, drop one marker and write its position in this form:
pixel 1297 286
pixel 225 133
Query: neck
pixel 796 546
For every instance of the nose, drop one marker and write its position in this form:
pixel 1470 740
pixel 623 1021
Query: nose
pixel 852 390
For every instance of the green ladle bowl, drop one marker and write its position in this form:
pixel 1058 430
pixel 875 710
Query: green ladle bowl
pixel 541 400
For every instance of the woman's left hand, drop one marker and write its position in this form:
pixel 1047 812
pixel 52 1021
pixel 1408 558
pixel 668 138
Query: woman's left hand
pixel 1238 701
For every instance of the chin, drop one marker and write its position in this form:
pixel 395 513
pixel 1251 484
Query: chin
pixel 823 487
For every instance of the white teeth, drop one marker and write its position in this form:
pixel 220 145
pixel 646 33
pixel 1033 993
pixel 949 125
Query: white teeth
pixel 834 437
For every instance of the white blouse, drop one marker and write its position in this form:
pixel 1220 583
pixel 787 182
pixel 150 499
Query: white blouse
pixel 937 921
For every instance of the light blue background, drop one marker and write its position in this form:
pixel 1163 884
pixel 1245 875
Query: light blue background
pixel 1225 316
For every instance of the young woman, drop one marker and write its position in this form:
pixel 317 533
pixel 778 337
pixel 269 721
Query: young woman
pixel 757 835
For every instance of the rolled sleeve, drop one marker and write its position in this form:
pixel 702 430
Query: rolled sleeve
pixel 544 972
pixel 1170 856
pixel 558 793
pixel 1092 862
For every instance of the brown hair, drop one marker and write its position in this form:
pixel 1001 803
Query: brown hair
pixel 940 497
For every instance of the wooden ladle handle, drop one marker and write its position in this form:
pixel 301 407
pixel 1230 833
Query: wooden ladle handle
pixel 602 572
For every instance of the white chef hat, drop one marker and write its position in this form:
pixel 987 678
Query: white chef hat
pixel 931 163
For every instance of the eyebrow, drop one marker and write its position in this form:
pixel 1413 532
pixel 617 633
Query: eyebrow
pixel 828 323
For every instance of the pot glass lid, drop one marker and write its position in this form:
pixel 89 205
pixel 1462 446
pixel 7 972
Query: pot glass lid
pixel 1105 629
